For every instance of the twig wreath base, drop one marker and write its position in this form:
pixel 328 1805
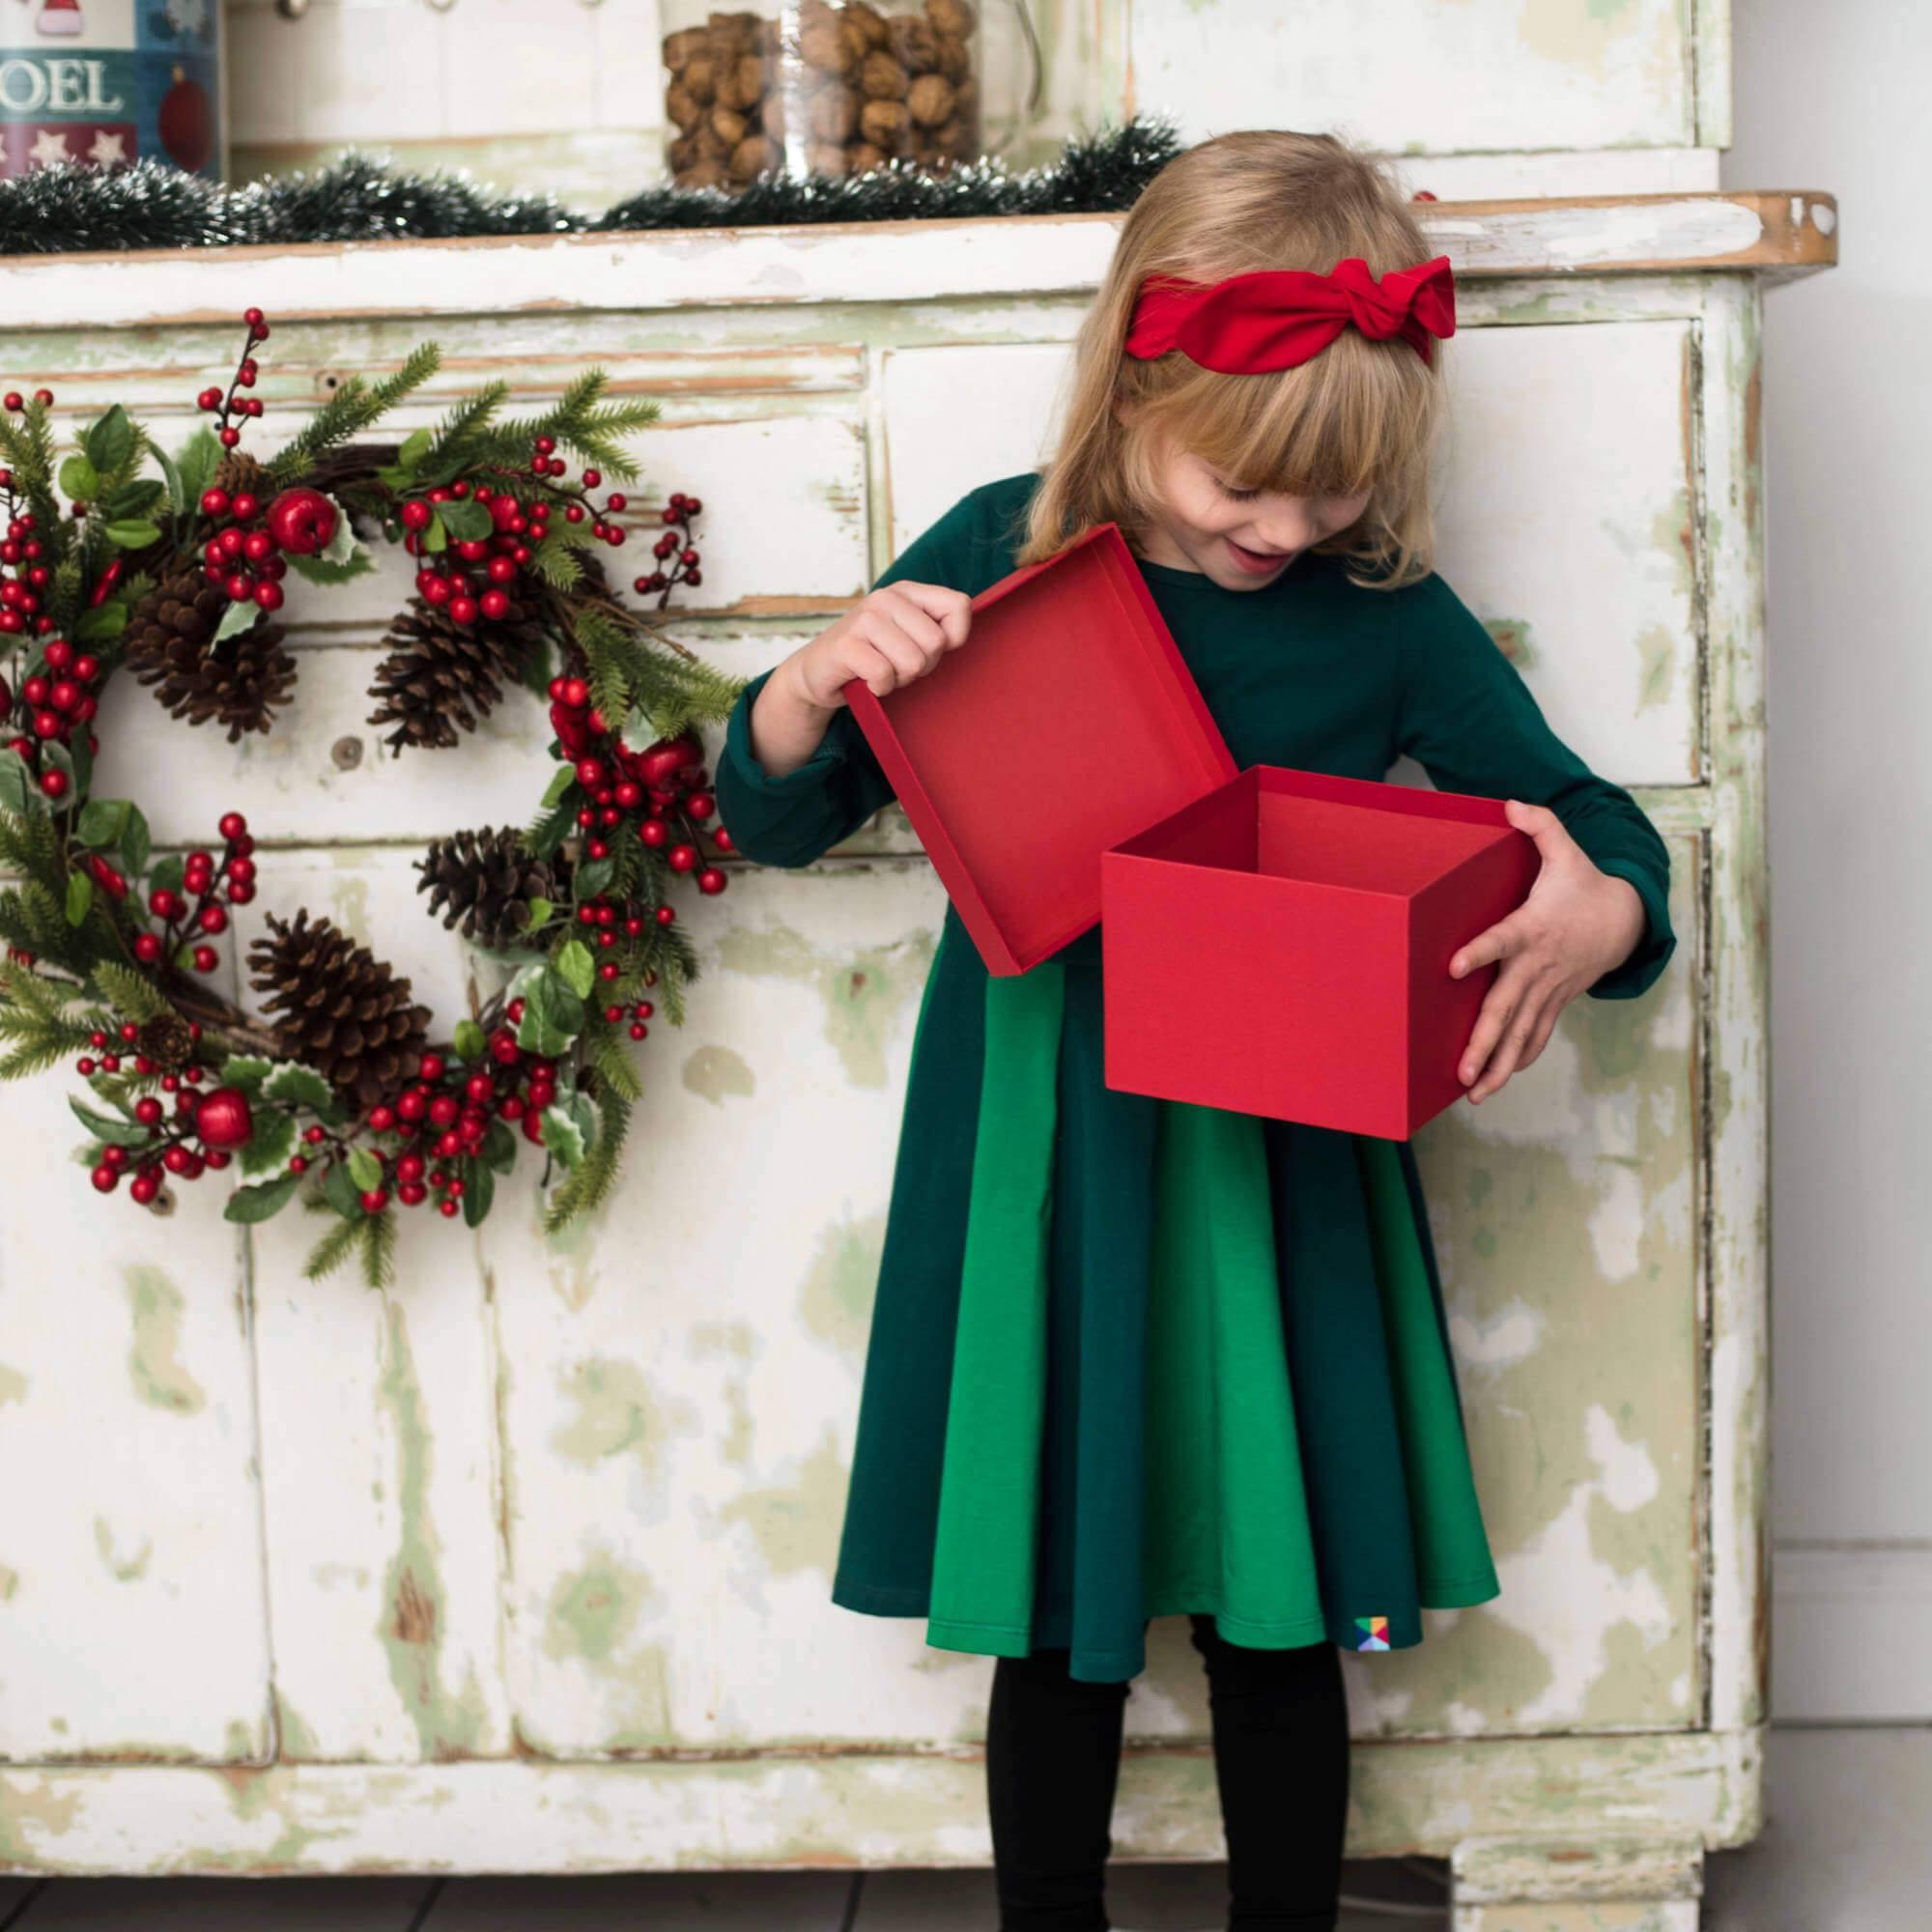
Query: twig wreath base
pixel 333 1093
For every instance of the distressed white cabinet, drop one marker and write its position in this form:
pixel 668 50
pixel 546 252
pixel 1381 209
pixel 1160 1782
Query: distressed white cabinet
pixel 523 1566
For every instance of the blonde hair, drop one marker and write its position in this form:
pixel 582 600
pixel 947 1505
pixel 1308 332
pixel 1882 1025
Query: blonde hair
pixel 1362 416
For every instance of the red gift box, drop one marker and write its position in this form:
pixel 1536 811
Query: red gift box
pixel 1282 947
pixel 1066 723
pixel 1274 942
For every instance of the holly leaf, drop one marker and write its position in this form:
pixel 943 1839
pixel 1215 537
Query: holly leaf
pixel 364 1169
pixel 436 538
pixel 103 623
pixel 561 780
pixel 415 447
pixel 499 1147
pixel 250 1204
pixel 171 470
pixel 109 441
pixel 479 1189
pixel 302 1086
pixel 102 820
pixel 193 469
pixel 18 793
pixel 138 498
pixel 323 569
pixel 593 877
pixel 168 872
pixel 540 914
pixel 133 533
pixel 341 1192
pixel 562 1136
pixel 107 1127
pixel 574 961
pixel 79 481
pixel 80 897
pixel 80 762
pixel 465 520
pixel 469 1041
pixel 588 1115
pixel 238 617
pixel 246 1071
pixel 271 1145
pixel 136 842
pixel 552 1015
pixel 341 544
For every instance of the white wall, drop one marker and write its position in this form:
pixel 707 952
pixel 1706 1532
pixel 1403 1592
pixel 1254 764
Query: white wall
pixel 1834 100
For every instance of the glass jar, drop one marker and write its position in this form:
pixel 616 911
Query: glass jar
pixel 823 87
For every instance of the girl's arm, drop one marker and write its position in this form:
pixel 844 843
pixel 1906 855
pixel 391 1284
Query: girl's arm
pixel 795 775
pixel 1598 920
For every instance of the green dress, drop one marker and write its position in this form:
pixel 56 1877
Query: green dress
pixel 1131 1358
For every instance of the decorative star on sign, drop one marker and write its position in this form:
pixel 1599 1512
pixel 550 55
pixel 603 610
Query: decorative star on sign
pixel 50 146
pixel 108 148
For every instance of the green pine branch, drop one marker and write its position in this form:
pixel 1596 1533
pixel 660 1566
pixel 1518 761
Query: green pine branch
pixel 333 1250
pixel 128 992
pixel 29 843
pixel 355 406
pixel 588 1183
pixel 379 1248
pixel 36 1043
pixel 606 1053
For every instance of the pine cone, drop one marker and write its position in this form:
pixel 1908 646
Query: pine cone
pixel 441 675
pixel 338 1008
pixel 238 472
pixel 239 682
pixel 167 1042
pixel 487 879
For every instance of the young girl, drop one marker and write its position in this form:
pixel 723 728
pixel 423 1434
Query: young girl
pixel 1131 1358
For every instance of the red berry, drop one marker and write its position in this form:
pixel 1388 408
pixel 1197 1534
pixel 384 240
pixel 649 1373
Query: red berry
pixel 252 317
pixel 211 918
pixel 206 958
pixel 105 1180
pixel 232 826
pixel 683 858
pixel 463 609
pixel 45 396
pixel 229 436
pixel 244 507
pixel 494 605
pixel 269 596
pixel 693 507
pixel 666 914
pixel 148 947
pixel 54 783
pixel 144 1187
pixel 711 880
pixel 15 400
pixel 375 1200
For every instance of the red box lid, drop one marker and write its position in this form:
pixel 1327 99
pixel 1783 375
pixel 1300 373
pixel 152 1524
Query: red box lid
pixel 1066 722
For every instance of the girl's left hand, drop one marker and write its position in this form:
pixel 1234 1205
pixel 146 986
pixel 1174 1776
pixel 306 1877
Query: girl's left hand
pixel 1575 926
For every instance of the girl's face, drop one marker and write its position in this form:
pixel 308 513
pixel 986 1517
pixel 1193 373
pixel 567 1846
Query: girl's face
pixel 1242 539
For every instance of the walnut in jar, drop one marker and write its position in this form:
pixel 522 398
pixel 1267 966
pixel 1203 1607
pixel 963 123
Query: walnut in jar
pixel 931 100
pixel 861 156
pixel 751 157
pixel 882 77
pixel 821 44
pixel 826 157
pixel 884 122
pixel 832 113
pixel 951 16
pixel 914 43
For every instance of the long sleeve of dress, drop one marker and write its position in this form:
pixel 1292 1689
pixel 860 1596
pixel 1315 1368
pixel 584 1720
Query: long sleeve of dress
pixel 1466 714
pixel 794 820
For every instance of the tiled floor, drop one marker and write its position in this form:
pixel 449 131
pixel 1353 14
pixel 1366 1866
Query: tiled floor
pixel 1847 1848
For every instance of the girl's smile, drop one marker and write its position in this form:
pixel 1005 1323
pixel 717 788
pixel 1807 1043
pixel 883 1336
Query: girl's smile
pixel 1241 539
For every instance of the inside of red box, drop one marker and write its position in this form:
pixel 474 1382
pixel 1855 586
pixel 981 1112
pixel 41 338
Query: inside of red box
pixel 1061 727
pixel 1247 826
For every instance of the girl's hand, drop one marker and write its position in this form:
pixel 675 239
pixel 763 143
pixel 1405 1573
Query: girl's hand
pixel 1575 926
pixel 890 638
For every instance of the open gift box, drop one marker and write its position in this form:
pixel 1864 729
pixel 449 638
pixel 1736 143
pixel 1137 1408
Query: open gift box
pixel 1273 942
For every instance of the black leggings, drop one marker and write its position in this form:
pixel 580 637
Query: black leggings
pixel 1281 1760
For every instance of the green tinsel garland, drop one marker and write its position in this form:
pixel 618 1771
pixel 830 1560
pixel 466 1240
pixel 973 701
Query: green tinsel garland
pixel 70 207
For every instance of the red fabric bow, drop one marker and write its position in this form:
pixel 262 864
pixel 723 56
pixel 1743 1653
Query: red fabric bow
pixel 1276 317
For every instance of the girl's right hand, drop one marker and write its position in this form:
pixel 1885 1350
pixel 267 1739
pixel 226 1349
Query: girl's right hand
pixel 891 637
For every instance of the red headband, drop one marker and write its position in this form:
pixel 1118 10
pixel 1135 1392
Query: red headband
pixel 1276 317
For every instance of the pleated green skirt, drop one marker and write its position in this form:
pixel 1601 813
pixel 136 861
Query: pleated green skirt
pixel 1132 1358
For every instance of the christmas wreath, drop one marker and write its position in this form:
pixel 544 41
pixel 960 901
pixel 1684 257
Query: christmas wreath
pixel 334 1092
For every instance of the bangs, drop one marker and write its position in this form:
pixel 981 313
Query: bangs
pixel 1338 425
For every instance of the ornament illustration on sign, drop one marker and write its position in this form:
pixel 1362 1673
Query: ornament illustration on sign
pixel 185 125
